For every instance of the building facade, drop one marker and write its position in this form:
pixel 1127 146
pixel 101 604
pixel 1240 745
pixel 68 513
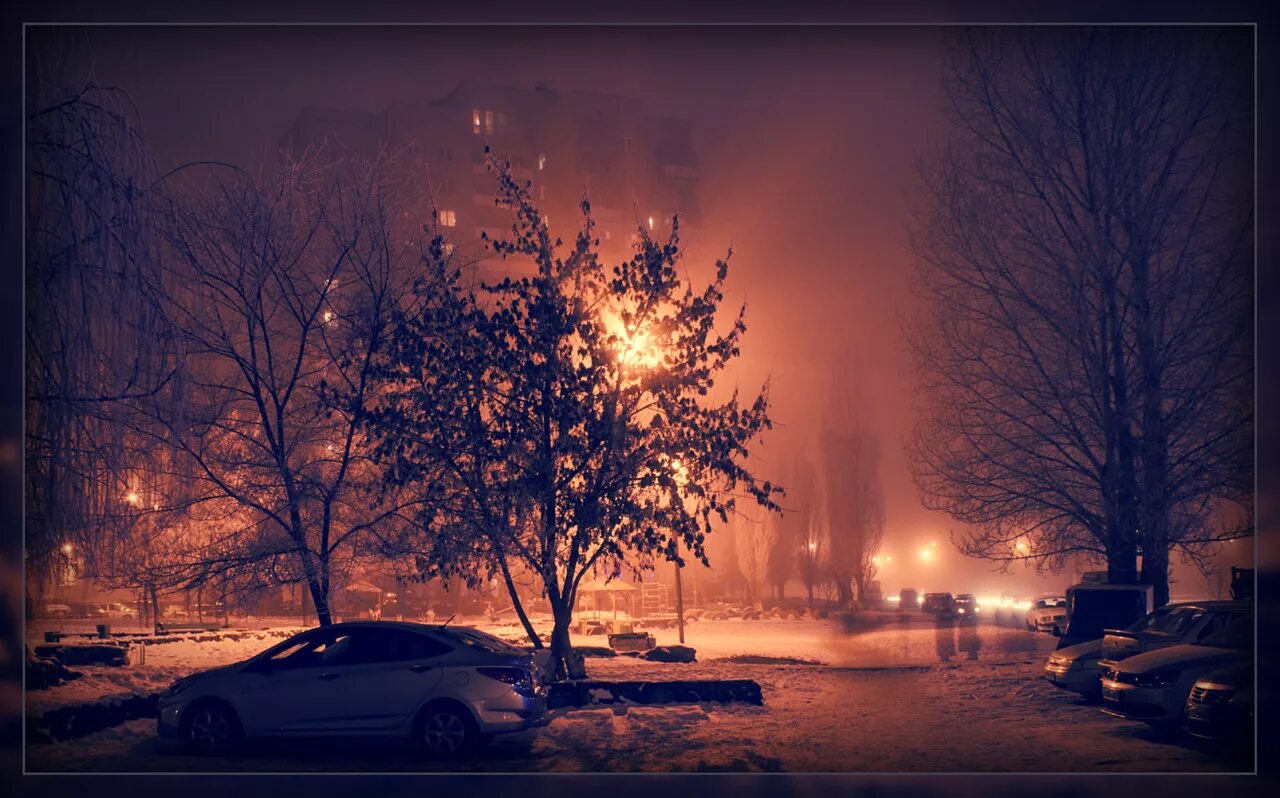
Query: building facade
pixel 637 169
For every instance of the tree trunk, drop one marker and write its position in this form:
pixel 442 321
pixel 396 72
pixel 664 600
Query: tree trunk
pixel 844 594
pixel 563 663
pixel 155 608
pixel 519 607
pixel 1153 445
pixel 321 604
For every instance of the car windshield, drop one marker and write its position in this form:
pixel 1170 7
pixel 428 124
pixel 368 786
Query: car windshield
pixel 1238 635
pixel 1050 602
pixel 1167 621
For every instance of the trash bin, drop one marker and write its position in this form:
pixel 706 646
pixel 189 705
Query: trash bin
pixel 104 631
pixel 52 637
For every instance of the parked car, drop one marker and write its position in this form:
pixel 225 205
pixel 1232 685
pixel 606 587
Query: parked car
pixel 1188 622
pixel 1048 614
pixel 939 604
pixel 874 598
pixel 1077 668
pixel 444 687
pixel 966 607
pixel 121 609
pixel 1220 705
pixel 56 610
pixel 1154 687
pixel 908 599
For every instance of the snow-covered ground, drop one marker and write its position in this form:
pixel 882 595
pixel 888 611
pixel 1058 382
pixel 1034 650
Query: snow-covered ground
pixel 878 701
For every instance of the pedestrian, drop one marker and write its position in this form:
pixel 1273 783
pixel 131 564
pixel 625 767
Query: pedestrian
pixel 970 642
pixel 945 635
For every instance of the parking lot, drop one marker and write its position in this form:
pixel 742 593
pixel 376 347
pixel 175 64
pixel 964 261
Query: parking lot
pixel 835 700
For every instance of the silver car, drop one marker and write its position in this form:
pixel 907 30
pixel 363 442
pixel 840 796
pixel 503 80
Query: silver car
pixel 446 688
pixel 1154 687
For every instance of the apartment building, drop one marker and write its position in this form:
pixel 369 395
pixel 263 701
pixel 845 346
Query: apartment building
pixel 637 169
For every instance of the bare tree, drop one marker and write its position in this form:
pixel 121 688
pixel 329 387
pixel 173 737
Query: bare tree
pixel 801 524
pixel 1085 363
pixel 283 290
pixel 854 498
pixel 754 538
pixel 784 544
pixel 93 335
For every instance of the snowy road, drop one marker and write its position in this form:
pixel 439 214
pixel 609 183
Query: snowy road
pixel 941 717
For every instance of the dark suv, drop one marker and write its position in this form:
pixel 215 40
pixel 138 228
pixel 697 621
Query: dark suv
pixel 939 603
pixel 966 607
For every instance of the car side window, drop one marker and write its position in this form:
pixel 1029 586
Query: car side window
pixel 326 647
pixel 394 645
pixel 1215 623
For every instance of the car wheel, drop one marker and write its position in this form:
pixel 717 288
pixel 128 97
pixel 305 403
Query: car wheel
pixel 447 732
pixel 212 729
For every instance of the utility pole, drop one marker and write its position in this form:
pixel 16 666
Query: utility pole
pixel 679 604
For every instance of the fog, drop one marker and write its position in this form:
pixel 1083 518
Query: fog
pixel 808 138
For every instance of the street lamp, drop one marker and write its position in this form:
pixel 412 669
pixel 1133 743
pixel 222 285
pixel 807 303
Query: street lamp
pixel 926 554
pixel 133 498
pixel 66 549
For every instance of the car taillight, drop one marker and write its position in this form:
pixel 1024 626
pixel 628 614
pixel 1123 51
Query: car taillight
pixel 506 675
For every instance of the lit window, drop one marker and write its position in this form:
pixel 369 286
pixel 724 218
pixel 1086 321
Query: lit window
pixel 449 218
pixel 475 120
pixel 607 235
pixel 542 161
pixel 448 249
pixel 488 121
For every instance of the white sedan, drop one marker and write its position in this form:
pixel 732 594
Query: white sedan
pixel 444 687
pixel 1048 614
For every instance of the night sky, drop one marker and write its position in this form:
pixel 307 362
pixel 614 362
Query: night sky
pixel 809 140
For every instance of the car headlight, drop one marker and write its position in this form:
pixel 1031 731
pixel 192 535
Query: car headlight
pixel 1160 678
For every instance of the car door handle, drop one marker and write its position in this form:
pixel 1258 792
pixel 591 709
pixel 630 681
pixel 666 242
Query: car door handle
pixel 421 668
pixel 328 676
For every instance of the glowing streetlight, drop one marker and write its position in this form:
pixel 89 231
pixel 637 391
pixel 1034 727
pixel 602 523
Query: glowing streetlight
pixel 66 549
pixel 1022 547
pixel 926 554
pixel 133 498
